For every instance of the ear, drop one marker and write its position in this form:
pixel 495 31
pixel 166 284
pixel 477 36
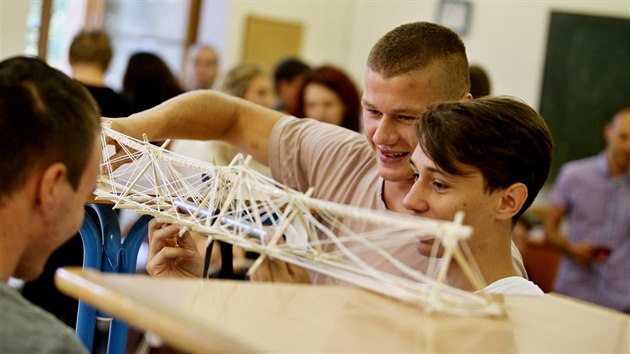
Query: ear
pixel 607 133
pixel 53 179
pixel 512 200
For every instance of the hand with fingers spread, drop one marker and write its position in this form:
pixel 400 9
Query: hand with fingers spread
pixel 171 255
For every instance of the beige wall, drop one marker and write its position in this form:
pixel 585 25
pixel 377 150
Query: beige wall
pixel 325 24
pixel 508 37
pixel 12 27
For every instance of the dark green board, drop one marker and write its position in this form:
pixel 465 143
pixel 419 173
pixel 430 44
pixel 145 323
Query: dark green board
pixel 586 80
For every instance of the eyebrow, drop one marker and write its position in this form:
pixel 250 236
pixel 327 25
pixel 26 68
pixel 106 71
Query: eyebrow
pixel 405 110
pixel 437 170
pixel 430 169
pixel 413 164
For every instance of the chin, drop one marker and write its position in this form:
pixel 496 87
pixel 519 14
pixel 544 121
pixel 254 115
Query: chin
pixel 392 175
pixel 426 248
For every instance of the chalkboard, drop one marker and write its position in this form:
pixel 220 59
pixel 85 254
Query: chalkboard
pixel 586 80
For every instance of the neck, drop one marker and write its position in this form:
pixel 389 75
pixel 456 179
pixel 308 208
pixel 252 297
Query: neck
pixel 13 242
pixel 494 259
pixel 89 74
pixel 394 193
pixel 615 169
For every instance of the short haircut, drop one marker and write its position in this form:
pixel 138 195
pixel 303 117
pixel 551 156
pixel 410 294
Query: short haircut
pixel 479 82
pixel 620 111
pixel 91 46
pixel 501 136
pixel 288 69
pixel 194 49
pixel 339 82
pixel 419 46
pixel 46 117
pixel 238 79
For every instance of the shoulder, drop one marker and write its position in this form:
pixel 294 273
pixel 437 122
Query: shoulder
pixel 314 139
pixel 514 285
pixel 581 166
pixel 290 124
pixel 27 328
pixel 111 103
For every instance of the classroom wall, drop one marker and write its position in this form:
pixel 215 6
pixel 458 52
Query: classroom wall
pixel 513 47
pixel 325 27
pixel 507 37
pixel 12 27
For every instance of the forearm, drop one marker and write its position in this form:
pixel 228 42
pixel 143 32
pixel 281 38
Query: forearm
pixel 558 242
pixel 205 115
pixel 199 115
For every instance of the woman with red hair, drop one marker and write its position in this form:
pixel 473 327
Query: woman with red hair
pixel 329 95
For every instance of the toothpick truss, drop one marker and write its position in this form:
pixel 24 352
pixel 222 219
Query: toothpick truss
pixel 237 205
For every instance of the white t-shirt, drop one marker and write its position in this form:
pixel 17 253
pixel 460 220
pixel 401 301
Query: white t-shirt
pixel 513 285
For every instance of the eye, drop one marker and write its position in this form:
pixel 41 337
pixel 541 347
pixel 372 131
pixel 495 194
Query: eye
pixel 372 112
pixel 407 119
pixel 439 186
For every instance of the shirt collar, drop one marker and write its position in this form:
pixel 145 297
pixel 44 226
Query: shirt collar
pixel 602 167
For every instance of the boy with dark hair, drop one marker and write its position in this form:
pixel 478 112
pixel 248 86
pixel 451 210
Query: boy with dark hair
pixel 288 75
pixel 488 158
pixel 50 161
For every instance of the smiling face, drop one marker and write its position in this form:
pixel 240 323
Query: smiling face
pixel 390 107
pixel 323 104
pixel 439 195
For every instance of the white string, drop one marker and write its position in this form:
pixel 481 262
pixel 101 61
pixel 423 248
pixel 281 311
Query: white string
pixel 230 203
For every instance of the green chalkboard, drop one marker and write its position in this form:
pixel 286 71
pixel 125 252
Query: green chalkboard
pixel 586 80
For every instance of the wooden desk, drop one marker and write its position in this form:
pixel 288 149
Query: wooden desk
pixel 229 316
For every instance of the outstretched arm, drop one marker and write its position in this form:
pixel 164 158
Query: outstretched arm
pixel 205 115
pixel 580 252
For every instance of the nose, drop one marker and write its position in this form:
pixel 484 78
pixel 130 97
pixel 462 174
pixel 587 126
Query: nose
pixel 415 200
pixel 318 112
pixel 385 133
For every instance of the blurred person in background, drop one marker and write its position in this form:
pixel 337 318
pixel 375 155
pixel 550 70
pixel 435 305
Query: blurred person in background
pixel 479 82
pixel 249 81
pixel 329 95
pixel 89 56
pixel 288 75
pixel 201 68
pixel 148 81
pixel 594 195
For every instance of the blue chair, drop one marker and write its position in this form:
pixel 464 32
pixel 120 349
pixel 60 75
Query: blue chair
pixel 105 251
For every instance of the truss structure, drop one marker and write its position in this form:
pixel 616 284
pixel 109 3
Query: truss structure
pixel 242 207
